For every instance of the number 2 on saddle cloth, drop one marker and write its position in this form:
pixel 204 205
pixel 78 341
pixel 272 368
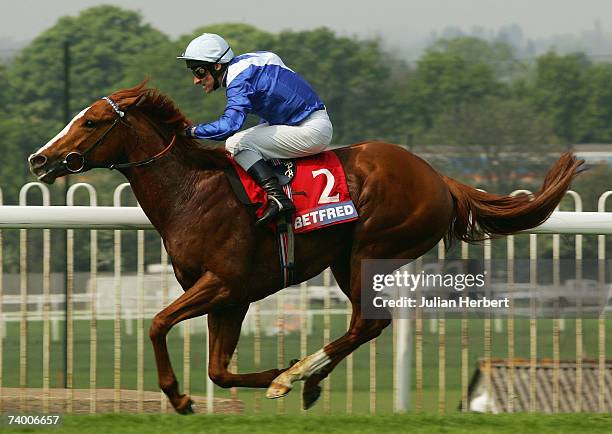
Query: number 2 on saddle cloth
pixel 318 189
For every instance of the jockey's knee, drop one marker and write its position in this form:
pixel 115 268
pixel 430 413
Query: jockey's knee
pixel 231 145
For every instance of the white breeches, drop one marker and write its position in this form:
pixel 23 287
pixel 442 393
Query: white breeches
pixel 309 137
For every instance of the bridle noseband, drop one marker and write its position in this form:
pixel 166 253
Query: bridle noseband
pixel 75 162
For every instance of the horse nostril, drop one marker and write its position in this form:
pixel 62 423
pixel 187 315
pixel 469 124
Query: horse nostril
pixel 37 160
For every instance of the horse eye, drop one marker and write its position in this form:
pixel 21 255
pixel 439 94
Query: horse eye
pixel 89 123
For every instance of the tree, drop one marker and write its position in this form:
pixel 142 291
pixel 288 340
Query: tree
pixel 559 92
pixel 14 170
pixel 447 77
pixel 5 91
pixel 596 122
pixel 504 141
pixel 498 55
pixel 103 40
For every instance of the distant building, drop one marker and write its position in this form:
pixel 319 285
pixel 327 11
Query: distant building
pixel 595 153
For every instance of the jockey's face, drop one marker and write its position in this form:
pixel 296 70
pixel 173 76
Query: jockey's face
pixel 204 79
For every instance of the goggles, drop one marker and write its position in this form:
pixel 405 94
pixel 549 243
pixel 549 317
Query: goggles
pixel 200 72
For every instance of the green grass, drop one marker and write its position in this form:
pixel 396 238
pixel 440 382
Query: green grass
pixel 361 373
pixel 412 423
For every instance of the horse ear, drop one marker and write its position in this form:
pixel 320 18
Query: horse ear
pixel 140 101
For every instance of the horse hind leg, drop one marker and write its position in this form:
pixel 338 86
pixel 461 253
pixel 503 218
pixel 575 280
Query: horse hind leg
pixel 363 332
pixel 319 365
pixel 305 368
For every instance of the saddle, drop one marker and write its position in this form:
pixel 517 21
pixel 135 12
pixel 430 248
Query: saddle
pixel 316 185
pixel 283 169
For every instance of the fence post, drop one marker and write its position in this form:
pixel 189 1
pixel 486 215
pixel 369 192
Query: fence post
pixel 579 333
pixel 533 325
pixel 327 336
pixel 511 341
pixel 441 347
pixel 280 342
pixel 303 332
pixel 140 320
pixel 93 267
pixel 23 351
pixel 117 319
pixel 164 302
pixel 601 321
pixel 257 351
pixel 465 345
pixel 402 373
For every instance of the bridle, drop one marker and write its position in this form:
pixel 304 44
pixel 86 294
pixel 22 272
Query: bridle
pixel 81 162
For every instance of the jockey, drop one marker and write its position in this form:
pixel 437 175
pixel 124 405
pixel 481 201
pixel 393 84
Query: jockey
pixel 294 122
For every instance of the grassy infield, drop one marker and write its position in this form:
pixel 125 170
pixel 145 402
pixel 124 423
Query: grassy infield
pixel 413 423
pixel 315 421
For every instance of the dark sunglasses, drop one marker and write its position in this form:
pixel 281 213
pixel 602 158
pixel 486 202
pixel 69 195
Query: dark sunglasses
pixel 199 72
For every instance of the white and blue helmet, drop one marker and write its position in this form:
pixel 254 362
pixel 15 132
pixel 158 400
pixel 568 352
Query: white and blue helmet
pixel 209 48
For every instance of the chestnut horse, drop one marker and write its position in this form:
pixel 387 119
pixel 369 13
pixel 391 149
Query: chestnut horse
pixel 224 263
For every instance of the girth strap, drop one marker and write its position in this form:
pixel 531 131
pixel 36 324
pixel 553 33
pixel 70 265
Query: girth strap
pixel 286 244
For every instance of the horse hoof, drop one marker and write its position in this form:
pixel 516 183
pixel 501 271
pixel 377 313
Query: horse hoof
pixel 310 397
pixel 186 408
pixel 277 390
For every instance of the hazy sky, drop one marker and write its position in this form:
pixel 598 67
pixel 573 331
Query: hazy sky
pixel 394 20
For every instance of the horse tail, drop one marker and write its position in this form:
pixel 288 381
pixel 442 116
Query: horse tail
pixel 479 215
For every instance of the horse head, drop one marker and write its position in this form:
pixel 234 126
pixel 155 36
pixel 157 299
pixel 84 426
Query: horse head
pixel 103 135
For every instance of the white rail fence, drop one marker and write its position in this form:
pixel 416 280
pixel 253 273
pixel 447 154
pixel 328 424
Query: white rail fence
pixel 111 297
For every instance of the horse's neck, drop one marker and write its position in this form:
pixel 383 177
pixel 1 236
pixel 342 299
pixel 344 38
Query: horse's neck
pixel 167 186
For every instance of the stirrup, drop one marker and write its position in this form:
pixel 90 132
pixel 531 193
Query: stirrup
pixel 273 211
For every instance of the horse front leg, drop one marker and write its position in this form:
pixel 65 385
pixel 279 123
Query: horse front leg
pixel 206 294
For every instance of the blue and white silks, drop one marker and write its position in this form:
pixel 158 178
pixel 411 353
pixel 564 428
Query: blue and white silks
pixel 261 84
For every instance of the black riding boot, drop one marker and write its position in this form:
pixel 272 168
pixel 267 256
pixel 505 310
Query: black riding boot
pixel 278 202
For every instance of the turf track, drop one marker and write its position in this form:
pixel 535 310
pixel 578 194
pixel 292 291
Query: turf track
pixel 411 423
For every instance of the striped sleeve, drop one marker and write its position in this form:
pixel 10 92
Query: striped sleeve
pixel 233 117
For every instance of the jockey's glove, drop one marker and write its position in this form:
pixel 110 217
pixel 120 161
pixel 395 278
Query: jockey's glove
pixel 189 131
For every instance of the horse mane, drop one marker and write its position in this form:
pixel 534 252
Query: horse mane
pixel 162 110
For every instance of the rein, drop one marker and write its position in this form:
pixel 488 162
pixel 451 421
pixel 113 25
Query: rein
pixel 75 162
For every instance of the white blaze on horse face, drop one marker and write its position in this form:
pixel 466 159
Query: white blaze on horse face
pixel 64 131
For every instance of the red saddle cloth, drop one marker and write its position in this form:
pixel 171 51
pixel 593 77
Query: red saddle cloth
pixel 318 190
